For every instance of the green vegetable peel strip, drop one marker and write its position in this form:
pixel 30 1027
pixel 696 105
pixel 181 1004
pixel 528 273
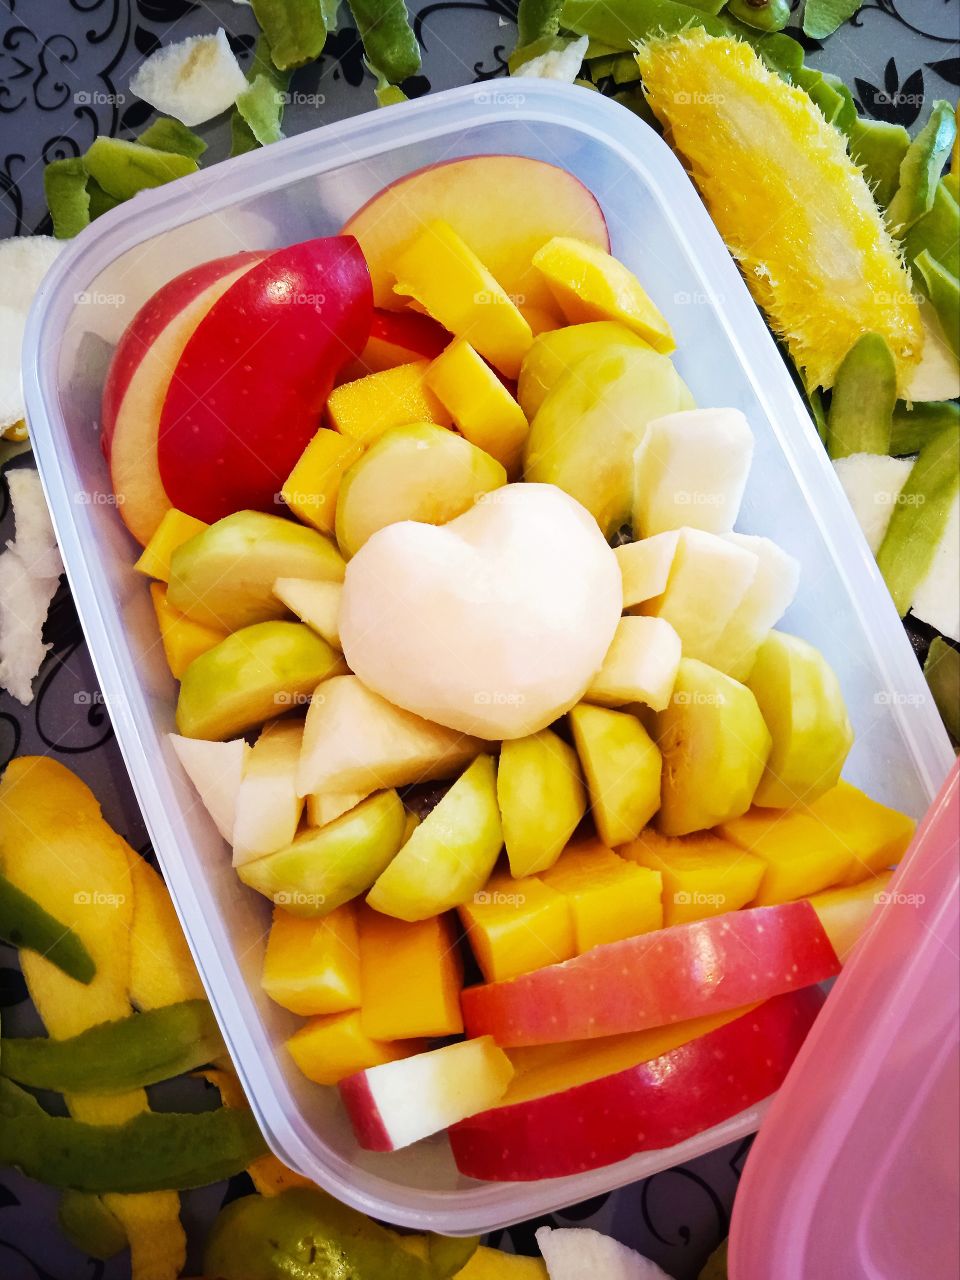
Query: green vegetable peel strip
pixel 167 134
pixel 295 29
pixel 921 168
pixel 387 36
pixel 65 187
pixel 942 669
pixel 864 396
pixel 536 19
pixel 913 428
pixel 24 923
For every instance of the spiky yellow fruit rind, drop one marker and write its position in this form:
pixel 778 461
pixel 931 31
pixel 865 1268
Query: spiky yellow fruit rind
pixel 793 208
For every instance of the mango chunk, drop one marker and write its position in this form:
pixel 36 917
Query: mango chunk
pixel 330 1048
pixel 449 281
pixel 703 875
pixel 483 410
pixel 182 638
pixel 174 529
pixel 311 488
pixel 491 1264
pixel 515 926
pixel 876 836
pixel 802 855
pixel 410 977
pixel 609 898
pixel 365 409
pixel 312 964
pixel 590 284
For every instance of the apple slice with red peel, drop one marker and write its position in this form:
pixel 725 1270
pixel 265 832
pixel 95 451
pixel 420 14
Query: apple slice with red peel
pixel 648 1106
pixel 686 971
pixel 396 337
pixel 138 379
pixel 249 388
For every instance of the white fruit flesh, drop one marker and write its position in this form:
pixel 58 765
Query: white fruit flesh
pixel 315 603
pixel 937 376
pixel 937 599
pixel 268 807
pixel 640 666
pixel 193 80
pixel 690 469
pixel 578 1253
pixel 872 483
pixel 645 567
pixel 24 261
pixel 216 770
pixel 324 806
pixel 767 599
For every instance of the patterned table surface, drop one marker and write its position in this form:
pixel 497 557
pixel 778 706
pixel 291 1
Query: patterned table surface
pixel 64 70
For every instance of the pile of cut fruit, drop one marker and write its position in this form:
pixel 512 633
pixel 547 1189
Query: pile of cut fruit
pixel 477 677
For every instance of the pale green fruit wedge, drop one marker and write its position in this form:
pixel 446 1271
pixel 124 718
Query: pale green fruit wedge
pixel 542 799
pixel 315 603
pixel 450 856
pixel 419 472
pixel 800 699
pixel 715 746
pixel 558 350
pixel 268 807
pixel 327 866
pixel 622 764
pixel 224 576
pixel 253 675
pixel 584 436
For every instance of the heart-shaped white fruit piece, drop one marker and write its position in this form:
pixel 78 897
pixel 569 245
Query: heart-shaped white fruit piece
pixel 493 624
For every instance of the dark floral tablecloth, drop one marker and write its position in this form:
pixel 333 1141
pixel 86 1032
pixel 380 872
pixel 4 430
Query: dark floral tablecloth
pixel 64 70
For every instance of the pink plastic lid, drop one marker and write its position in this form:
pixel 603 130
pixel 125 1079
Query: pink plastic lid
pixel 855 1171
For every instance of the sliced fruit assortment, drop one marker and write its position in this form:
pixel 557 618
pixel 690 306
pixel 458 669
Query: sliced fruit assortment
pixel 446 726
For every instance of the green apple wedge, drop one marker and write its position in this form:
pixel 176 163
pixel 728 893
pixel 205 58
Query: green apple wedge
pixel 623 767
pixel 450 855
pixel 801 701
pixel 255 674
pixel 418 472
pixel 715 745
pixel 542 799
pixel 586 431
pixel 327 866
pixel 224 575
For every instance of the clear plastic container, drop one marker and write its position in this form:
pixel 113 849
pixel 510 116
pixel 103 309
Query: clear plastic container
pixel 304 187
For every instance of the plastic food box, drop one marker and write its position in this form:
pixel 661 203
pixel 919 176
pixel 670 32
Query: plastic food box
pixel 305 187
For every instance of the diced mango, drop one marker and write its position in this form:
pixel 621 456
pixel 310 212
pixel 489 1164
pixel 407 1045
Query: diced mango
pixel 312 964
pixel 450 282
pixel 174 529
pixel 183 639
pixel 703 875
pixel 483 410
pixel 875 835
pixel 609 898
pixel 802 855
pixel 491 1264
pixel 515 926
pixel 311 488
pixel 590 284
pixel 410 977
pixel 330 1048
pixel 365 409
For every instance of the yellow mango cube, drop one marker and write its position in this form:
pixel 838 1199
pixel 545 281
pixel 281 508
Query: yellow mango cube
pixel 312 964
pixel 609 898
pixel 440 272
pixel 173 531
pixel 876 836
pixel 703 875
pixel 330 1048
pixel 365 409
pixel 182 638
pixel 410 977
pixel 590 284
pixel 483 410
pixel 491 1264
pixel 515 926
pixel 802 856
pixel 311 488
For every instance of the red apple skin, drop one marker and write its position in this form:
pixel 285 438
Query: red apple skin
pixel 410 330
pixel 143 330
pixel 655 979
pixel 648 1107
pixel 371 1133
pixel 248 391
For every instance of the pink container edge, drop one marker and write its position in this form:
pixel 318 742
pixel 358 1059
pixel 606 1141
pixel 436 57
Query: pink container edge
pixel 855 1172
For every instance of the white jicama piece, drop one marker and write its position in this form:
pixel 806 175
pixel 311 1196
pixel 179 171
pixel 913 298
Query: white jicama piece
pixel 937 376
pixel 24 261
pixel 268 806
pixel 578 1253
pixel 563 63
pixel 690 470
pixel 216 770
pixel 937 598
pixel 872 483
pixel 767 599
pixel 645 567
pixel 193 80
pixel 30 571
pixel 315 603
pixel 640 666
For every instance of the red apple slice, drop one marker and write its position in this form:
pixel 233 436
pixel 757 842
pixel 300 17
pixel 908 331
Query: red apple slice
pixel 504 207
pixel 253 378
pixel 651 1105
pixel 396 337
pixel 687 971
pixel 137 383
